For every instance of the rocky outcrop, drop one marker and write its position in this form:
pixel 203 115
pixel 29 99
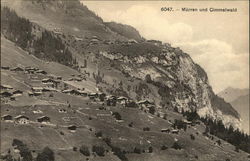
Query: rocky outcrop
pixel 187 83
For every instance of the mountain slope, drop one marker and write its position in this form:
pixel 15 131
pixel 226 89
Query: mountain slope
pixel 68 17
pixel 175 77
pixel 241 104
pixel 230 94
pixel 124 30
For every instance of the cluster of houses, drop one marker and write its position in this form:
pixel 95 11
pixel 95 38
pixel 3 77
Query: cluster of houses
pixel 21 119
pixel 77 78
pixel 30 70
pixel 8 91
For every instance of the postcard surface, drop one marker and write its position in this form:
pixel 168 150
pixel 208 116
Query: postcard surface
pixel 92 80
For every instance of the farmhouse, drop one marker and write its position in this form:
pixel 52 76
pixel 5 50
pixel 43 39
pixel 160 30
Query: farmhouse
pixel 132 41
pixel 101 96
pixel 43 119
pixel 41 72
pixel 6 117
pixel 175 131
pixel 62 111
pixel 30 94
pixel 17 69
pixel 122 100
pixel 5 67
pixel 37 111
pixel 187 122
pixel 165 130
pixel 131 104
pixel 6 94
pixel 111 101
pixel 144 103
pixel 7 87
pixel 30 70
pixel 93 95
pixel 17 92
pixel 72 128
pixel 20 119
pixel 37 89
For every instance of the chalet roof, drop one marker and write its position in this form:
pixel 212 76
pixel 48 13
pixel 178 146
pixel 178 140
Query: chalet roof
pixel 122 98
pixel 6 86
pixel 6 93
pixel 17 68
pixel 6 115
pixel 17 91
pixel 37 88
pixel 21 116
pixel 93 94
pixel 145 102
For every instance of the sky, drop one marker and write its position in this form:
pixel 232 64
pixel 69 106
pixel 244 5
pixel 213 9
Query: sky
pixel 217 41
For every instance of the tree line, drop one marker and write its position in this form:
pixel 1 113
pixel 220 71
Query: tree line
pixel 216 127
pixel 47 46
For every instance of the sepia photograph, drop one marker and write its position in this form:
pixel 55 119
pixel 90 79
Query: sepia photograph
pixel 124 80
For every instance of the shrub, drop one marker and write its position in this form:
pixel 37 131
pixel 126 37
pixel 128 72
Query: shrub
pixel 118 152
pixel 163 147
pixel 130 124
pixel 107 141
pixel 176 146
pixel 218 142
pixel 146 129
pixel 165 116
pixel 237 149
pixel 99 150
pixel 148 78
pixel 24 150
pixel 84 150
pixel 137 150
pixel 150 149
pixel 152 110
pixel 74 148
pixel 98 134
pixel 117 116
pixel 46 155
pixel 192 137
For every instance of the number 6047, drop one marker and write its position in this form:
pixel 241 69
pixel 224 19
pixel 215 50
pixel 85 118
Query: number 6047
pixel 166 9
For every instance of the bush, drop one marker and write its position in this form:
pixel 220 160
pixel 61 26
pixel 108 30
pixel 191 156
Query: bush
pixel 24 150
pixel 117 116
pixel 146 129
pixel 74 148
pixel 163 147
pixel 192 137
pixel 152 110
pixel 165 116
pixel 237 149
pixel 148 78
pixel 118 152
pixel 107 141
pixel 150 149
pixel 84 150
pixel 46 155
pixel 98 134
pixel 218 142
pixel 99 150
pixel 130 124
pixel 137 150
pixel 176 146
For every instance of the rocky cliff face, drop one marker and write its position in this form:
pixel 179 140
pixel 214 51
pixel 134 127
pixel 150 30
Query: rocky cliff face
pixel 185 84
